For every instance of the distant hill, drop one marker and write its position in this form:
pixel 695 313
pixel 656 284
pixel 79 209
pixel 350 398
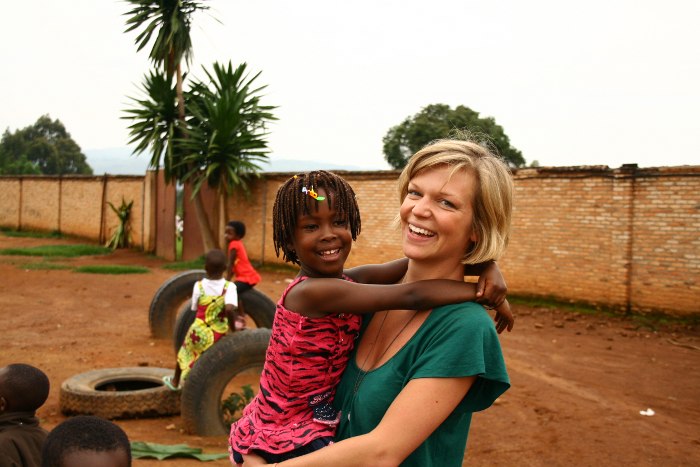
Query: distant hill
pixel 120 161
pixel 116 161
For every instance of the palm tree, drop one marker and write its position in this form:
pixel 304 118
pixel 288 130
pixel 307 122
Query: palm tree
pixel 226 130
pixel 155 120
pixel 170 20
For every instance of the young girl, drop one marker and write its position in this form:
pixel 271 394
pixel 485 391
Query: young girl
pixel 215 300
pixel 244 274
pixel 315 220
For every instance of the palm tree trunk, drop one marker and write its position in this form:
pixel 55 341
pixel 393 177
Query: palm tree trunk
pixel 180 96
pixel 205 230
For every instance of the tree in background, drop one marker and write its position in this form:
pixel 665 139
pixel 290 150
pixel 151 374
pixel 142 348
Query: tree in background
pixel 439 121
pixel 226 130
pixel 42 148
pixel 202 135
pixel 170 20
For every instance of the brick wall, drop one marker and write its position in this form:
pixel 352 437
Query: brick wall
pixel 627 238
pixel 72 204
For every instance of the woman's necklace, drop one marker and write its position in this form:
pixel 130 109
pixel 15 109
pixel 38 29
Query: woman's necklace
pixel 361 374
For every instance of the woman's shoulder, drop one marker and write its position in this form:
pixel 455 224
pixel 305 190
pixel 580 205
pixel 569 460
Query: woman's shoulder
pixel 469 316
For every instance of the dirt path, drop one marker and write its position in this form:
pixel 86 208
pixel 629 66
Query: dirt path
pixel 578 382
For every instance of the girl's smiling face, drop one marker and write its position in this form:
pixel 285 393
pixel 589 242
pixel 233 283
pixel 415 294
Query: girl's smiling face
pixel 322 241
pixel 437 215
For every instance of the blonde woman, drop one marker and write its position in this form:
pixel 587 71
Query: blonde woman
pixel 415 378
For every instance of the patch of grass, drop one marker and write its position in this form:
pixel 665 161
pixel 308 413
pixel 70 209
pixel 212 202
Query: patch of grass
pixel 45 265
pixel 112 269
pixel 64 251
pixel 30 234
pixel 185 265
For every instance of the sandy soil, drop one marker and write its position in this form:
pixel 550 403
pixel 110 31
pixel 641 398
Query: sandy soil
pixel 579 382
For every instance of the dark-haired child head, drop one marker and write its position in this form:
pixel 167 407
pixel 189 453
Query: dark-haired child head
pixel 23 388
pixel 215 263
pixel 84 441
pixel 234 230
pixel 298 197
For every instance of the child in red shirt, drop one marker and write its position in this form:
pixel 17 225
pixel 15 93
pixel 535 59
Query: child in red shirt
pixel 239 269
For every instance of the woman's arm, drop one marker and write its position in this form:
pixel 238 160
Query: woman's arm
pixel 387 273
pixel 436 397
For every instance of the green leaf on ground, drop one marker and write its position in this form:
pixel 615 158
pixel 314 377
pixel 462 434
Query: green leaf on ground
pixel 141 449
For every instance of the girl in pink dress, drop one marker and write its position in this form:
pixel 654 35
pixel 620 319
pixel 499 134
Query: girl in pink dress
pixel 315 221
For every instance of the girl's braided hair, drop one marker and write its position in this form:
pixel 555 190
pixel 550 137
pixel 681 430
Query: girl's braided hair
pixel 291 203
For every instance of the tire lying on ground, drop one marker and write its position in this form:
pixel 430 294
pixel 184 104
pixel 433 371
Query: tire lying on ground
pixel 256 304
pixel 203 391
pixel 135 392
pixel 163 312
pixel 174 291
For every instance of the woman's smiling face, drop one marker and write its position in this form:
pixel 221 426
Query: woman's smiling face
pixel 436 214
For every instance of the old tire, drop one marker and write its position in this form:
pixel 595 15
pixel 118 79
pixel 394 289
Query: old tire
pixel 135 392
pixel 203 391
pixel 260 308
pixel 173 292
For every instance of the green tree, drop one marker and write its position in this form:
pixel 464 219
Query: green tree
pixel 170 21
pixel 42 148
pixel 226 130
pixel 440 121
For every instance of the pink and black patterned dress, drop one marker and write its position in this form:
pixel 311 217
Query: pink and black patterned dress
pixel 303 365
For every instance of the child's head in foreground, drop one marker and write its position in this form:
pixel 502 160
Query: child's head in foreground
pixel 84 441
pixel 299 196
pixel 215 263
pixel 493 198
pixel 23 388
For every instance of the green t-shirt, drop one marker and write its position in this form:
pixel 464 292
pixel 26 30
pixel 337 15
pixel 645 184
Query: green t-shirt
pixel 454 341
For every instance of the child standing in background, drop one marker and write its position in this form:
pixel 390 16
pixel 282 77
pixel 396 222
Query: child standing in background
pixel 23 389
pixel 239 268
pixel 215 300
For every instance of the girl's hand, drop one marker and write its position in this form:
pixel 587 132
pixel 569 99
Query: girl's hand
pixel 504 317
pixel 491 288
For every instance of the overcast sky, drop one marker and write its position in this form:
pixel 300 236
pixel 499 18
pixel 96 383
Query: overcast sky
pixel 572 83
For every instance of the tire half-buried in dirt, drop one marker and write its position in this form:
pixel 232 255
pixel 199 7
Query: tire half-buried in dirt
pixel 235 353
pixel 256 304
pixel 168 300
pixel 134 392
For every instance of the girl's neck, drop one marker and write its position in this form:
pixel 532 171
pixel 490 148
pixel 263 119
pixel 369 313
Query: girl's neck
pixel 215 278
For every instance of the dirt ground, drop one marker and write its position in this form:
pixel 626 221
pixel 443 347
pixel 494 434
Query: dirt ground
pixel 579 381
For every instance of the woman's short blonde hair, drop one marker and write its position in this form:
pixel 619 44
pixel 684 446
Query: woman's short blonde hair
pixel 493 199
